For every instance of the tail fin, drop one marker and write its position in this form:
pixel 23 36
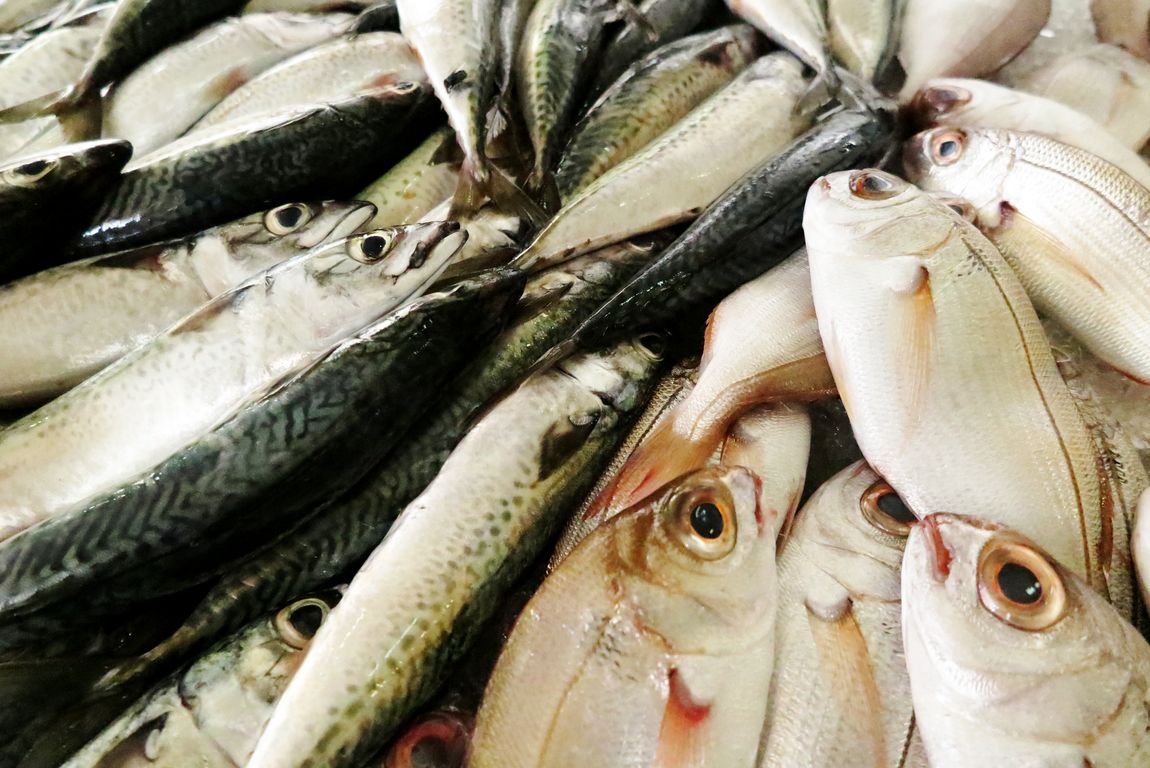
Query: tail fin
pixel 542 184
pixel 509 197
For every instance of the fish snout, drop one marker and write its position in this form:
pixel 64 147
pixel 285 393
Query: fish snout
pixel 936 546
pixel 934 102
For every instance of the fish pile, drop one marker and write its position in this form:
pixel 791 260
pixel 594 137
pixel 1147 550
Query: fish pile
pixel 555 383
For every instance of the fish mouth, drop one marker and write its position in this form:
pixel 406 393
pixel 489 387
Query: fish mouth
pixel 936 547
pixel 111 154
pixel 934 102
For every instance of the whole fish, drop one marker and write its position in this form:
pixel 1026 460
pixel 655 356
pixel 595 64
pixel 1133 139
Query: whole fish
pixel 274 462
pixel 229 171
pixel 658 635
pixel 206 367
pixel 458 43
pixel 16 13
pixel 979 104
pixel 66 323
pixel 487 514
pixel 1013 659
pixel 840 694
pixel 650 97
pixel 1125 23
pixel 799 26
pixel 560 47
pixel 657 23
pixel 1104 82
pixel 685 169
pixel 414 186
pixel 865 35
pixel 748 229
pixel 211 713
pixel 914 304
pixel 345 534
pixel 742 366
pixel 948 38
pixel 204 69
pixel 1031 195
pixel 327 73
pixel 46 199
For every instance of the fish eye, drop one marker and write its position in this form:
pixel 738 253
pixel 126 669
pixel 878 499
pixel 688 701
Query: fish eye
pixel 871 185
pixel 29 173
pixel 884 509
pixel 946 148
pixel 287 218
pixel 369 249
pixel 1019 586
pixel 298 623
pixel 653 344
pixel 704 522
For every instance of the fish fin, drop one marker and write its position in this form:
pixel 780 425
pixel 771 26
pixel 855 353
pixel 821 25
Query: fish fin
pixel 509 197
pixel 845 662
pixel 497 122
pixel 819 93
pixel 448 153
pixel 542 184
pixel 459 270
pixel 42 106
pixel 626 10
pixel 556 354
pixel 680 742
pixel 1055 252
pixel 470 194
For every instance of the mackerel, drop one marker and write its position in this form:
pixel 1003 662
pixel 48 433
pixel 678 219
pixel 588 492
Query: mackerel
pixel 798 26
pixel 865 34
pixel 414 186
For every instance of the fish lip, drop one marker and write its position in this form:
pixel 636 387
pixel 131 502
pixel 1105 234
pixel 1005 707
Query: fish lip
pixel 940 556
pixel 935 101
pixel 113 153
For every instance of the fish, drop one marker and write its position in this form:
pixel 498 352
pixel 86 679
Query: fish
pixel 979 104
pixel 1013 658
pixel 67 323
pixel 264 470
pixel 650 97
pixel 208 179
pixel 207 366
pixel 414 186
pixel 742 367
pixel 799 26
pixel 657 23
pixel 1125 23
pixel 1103 82
pixel 865 35
pixel 942 38
pixel 45 200
pixel 330 72
pixel 436 740
pixel 211 712
pixel 346 533
pixel 748 229
pixel 513 16
pixel 492 237
pixel 558 51
pixel 378 17
pixel 679 174
pixel 307 6
pixel 486 515
pixel 204 69
pixel 914 304
pixel 658 631
pixel 841 694
pixel 1031 195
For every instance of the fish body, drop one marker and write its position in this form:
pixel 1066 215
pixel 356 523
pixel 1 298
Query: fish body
pixel 204 69
pixel 206 179
pixel 16 13
pixel 1103 82
pixel 414 186
pixel 327 73
pixel 864 35
pixel 46 198
pixel 650 97
pixel 307 6
pixel 206 367
pixel 841 694
pixel 1125 23
pixel 979 104
pixel 663 22
pixel 952 38
pixel 480 522
pixel 928 330
pixel 658 635
pixel 1031 195
pixel 68 322
pixel 1013 659
pixel 258 473
pixel 210 713
pixel 682 172
pixel 799 26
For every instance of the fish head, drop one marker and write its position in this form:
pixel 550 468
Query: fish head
pixel 296 227
pixel 938 102
pixel 437 740
pixel 971 163
pixel 79 170
pixel 400 259
pixel 855 527
pixel 698 559
pixel 997 631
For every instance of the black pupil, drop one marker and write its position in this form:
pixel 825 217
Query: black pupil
pixel 875 184
pixel 306 620
pixel 289 217
pixel 707 521
pixel 948 148
pixel 373 247
pixel 1019 584
pixel 35 168
pixel 893 507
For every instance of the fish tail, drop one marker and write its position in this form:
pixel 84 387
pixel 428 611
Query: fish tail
pixel 471 193
pixel 541 183
pixel 507 195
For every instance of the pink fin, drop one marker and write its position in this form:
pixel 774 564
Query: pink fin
pixel 683 719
